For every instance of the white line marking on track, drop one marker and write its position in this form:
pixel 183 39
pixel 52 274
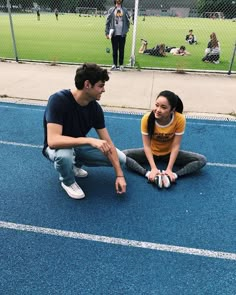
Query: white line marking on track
pixel 188 123
pixel 40 109
pixel 23 107
pixel 209 124
pixel 40 147
pixel 118 241
pixel 222 165
pixel 21 144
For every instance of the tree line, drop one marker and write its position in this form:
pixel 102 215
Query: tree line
pixel 228 7
pixel 61 5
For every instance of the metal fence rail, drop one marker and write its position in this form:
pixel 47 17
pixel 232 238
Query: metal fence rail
pixel 74 32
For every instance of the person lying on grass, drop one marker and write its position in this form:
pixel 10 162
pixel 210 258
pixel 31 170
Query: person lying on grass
pixel 180 51
pixel 158 50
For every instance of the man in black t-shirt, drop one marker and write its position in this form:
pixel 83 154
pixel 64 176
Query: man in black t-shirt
pixel 69 116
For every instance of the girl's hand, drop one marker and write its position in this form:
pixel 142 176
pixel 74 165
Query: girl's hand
pixel 170 174
pixel 153 174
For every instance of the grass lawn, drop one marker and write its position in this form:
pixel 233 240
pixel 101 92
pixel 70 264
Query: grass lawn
pixel 77 39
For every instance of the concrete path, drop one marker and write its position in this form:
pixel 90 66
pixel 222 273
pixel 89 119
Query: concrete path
pixel 212 94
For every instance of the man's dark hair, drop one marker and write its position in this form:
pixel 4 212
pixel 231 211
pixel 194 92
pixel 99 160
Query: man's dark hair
pixel 115 2
pixel 91 72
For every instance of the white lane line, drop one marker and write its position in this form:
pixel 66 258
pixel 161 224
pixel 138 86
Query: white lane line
pixel 20 144
pixel 23 108
pixel 40 147
pixel 222 165
pixel 117 241
pixel 127 115
pixel 188 123
pixel 209 124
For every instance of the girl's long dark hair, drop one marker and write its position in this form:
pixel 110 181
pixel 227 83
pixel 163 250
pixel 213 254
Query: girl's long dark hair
pixel 175 103
pixel 214 41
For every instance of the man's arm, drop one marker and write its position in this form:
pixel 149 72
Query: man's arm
pixel 104 144
pixel 56 140
pixel 112 153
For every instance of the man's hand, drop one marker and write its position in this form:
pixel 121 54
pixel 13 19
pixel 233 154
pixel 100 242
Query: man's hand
pixel 102 145
pixel 120 184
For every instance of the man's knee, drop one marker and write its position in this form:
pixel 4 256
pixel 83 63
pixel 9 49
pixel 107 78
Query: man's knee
pixel 64 156
pixel 122 157
pixel 202 160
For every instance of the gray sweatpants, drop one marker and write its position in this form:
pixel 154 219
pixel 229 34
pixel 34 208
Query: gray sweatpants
pixel 187 162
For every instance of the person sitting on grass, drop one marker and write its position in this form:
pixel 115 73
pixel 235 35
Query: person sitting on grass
pixel 162 130
pixel 158 50
pixel 180 51
pixel 212 52
pixel 191 38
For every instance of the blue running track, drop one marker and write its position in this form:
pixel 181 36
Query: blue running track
pixel 167 242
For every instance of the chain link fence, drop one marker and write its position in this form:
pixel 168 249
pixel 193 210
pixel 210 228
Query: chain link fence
pixel 60 31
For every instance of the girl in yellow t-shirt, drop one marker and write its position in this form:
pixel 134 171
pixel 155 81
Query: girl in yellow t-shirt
pixel 162 131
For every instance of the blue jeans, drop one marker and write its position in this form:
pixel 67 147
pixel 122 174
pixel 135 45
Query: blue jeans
pixel 65 159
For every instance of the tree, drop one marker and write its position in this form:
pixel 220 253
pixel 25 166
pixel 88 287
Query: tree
pixel 21 4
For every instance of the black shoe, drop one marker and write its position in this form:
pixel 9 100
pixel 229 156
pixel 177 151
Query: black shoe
pixel 158 181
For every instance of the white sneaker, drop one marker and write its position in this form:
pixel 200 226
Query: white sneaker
pixel 79 172
pixel 122 68
pixel 74 190
pixel 166 181
pixel 113 68
pixel 175 175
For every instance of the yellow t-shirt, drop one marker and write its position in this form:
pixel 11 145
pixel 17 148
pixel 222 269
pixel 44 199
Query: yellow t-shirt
pixel 163 136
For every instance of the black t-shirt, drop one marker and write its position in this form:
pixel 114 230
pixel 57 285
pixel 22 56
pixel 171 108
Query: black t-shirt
pixel 76 120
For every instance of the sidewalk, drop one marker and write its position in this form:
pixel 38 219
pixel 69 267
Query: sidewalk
pixel 209 94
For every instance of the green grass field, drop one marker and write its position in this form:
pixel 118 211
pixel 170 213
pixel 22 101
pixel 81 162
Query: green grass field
pixel 75 39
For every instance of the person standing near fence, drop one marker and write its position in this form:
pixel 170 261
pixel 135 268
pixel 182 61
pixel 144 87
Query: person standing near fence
pixel 117 26
pixel 56 13
pixel 38 13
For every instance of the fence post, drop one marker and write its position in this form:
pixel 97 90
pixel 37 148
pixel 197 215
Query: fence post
pixel 232 60
pixel 132 58
pixel 12 29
